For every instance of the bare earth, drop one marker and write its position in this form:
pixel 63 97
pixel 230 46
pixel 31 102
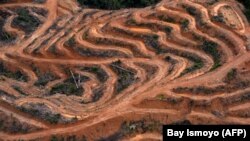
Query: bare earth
pixel 97 69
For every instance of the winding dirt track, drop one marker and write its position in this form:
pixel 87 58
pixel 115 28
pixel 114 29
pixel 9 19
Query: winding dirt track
pixel 147 52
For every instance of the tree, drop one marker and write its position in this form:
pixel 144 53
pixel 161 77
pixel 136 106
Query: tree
pixel 53 138
pixel 246 3
pixel 116 4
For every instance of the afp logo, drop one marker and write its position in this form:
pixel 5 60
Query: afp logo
pixel 234 133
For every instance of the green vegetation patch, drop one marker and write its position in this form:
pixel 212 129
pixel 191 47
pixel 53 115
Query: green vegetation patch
pixel 98 71
pixel 25 21
pixel 69 87
pixel 126 76
pixel 204 90
pixel 195 90
pixel 71 42
pixel 198 64
pixel 219 18
pixel 184 24
pixel 44 78
pixel 41 111
pixel 246 3
pixel 212 49
pixel 10 124
pixel 116 4
pixel 131 128
pixel 19 89
pixel 4 94
pixel 17 75
pixel 191 10
pixel 98 93
pixel 166 18
pixel 172 100
pixel 231 75
pixel 160 97
pixel 4 1
pixel 152 42
pixel 39 1
pixel 5 36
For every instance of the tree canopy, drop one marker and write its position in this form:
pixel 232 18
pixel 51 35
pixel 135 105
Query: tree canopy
pixel 246 3
pixel 117 4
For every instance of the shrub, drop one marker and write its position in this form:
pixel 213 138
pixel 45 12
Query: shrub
pixel 131 21
pixel 5 36
pixel 166 18
pixel 211 2
pixel 42 111
pixel 25 21
pixel 126 77
pixel 197 65
pixel 160 97
pixel 68 87
pixel 52 118
pixel 195 90
pixel 140 126
pixel 18 89
pixel 152 42
pixel 218 18
pixel 12 125
pixel 39 1
pixel 44 78
pixel 168 30
pixel 191 10
pixel 97 93
pixel 228 88
pixel 71 42
pixel 184 24
pixel 100 73
pixel 212 49
pixel 182 122
pixel 17 75
pixel 231 75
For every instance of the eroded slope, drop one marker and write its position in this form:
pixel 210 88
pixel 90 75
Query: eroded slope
pixel 76 70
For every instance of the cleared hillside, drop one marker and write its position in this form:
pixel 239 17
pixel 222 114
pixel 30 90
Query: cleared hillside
pixel 75 72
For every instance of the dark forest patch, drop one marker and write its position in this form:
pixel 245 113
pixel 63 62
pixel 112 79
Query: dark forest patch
pixel 116 4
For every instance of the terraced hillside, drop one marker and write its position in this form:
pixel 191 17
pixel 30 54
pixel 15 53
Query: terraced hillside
pixel 77 73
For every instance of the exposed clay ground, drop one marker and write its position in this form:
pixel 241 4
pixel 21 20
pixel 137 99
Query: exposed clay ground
pixel 102 75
